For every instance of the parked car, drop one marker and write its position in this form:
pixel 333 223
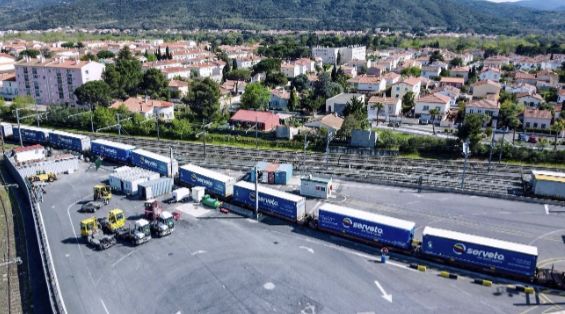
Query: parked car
pixel 91 207
pixel 532 139
pixel 424 121
pixel 523 137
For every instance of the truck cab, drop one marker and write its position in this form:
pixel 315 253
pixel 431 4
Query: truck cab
pixel 141 232
pixel 102 192
pixel 88 226
pixel 115 221
pixel 164 225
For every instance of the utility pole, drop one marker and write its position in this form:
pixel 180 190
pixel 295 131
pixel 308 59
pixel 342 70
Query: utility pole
pixel 158 134
pixel 19 126
pixel 304 153
pixel 495 120
pixel 92 120
pixel 466 154
pixel 256 132
pixel 119 125
pixel 171 156
pixel 256 194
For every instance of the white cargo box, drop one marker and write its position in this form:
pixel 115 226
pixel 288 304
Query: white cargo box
pixel 198 193
pixel 180 194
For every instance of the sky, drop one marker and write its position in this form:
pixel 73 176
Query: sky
pixel 503 0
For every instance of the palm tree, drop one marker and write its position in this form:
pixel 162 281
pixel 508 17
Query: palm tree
pixel 557 127
pixel 408 103
pixel 434 113
pixel 379 106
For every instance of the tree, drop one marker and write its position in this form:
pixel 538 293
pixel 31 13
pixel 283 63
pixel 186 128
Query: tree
pixel 411 71
pixel 292 101
pixel 151 57
pixel 443 73
pixel 334 73
pixel 203 99
pixel 32 53
pixel 22 101
pixel 325 88
pixel 471 130
pixel 300 83
pixel 68 45
pixel 434 112
pixel 274 79
pixel 239 75
pixel 269 65
pixel 89 57
pixel 125 54
pixel 379 106
pixel 456 62
pixel 225 71
pixel 105 54
pixel 355 117
pixel 508 116
pixel 125 76
pixel 408 103
pixel 234 64
pixel 256 96
pixel 94 94
pixel 436 56
pixel 557 127
pixel 154 83
pixel 104 117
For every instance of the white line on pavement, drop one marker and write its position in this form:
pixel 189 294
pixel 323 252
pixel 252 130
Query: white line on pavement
pixel 104 305
pixel 311 250
pixel 122 258
pixel 546 209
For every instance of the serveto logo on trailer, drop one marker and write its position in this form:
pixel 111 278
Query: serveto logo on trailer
pixel 367 228
pixel 459 248
pixel 347 222
pixel 109 151
pixel 149 162
pixel 201 180
pixel 268 201
pixel 65 140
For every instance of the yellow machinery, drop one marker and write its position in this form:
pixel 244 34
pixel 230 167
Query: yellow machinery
pixel 43 177
pixel 90 230
pixel 115 221
pixel 102 192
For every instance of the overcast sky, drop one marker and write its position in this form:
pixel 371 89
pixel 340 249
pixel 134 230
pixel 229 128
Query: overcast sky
pixel 503 0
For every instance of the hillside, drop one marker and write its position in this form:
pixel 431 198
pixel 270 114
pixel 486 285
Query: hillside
pixel 453 15
pixel 550 5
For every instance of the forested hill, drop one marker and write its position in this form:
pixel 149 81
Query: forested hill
pixel 453 15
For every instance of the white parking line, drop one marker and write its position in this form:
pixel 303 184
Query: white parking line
pixel 546 209
pixel 104 305
pixel 122 258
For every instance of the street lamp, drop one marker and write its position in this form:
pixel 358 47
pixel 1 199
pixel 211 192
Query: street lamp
pixel 466 153
pixel 203 132
pixel 18 118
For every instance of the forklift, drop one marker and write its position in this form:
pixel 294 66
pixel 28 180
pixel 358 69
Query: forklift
pixel 103 192
pixel 90 230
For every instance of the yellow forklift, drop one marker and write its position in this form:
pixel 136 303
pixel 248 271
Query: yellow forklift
pixel 91 231
pixel 102 192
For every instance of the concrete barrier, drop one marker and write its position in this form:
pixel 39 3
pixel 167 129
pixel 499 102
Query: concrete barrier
pixel 448 275
pixel 483 282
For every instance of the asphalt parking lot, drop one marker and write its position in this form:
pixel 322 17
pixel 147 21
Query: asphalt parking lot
pixel 219 263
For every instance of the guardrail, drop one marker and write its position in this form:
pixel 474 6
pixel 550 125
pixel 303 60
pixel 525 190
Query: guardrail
pixel 55 297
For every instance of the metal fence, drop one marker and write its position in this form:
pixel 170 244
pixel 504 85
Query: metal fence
pixel 55 297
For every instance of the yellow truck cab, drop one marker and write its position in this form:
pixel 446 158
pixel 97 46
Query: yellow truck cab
pixel 88 226
pixel 116 219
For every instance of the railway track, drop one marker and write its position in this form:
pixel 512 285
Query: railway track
pixel 502 179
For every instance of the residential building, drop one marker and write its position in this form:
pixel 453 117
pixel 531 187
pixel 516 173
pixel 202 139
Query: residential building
pixel 391 107
pixel 561 96
pixel 522 88
pixel 460 72
pixel 426 103
pixel 537 119
pixel 483 106
pixel 178 86
pixel 163 110
pixel 367 84
pixel 55 81
pixel 7 63
pixel 177 72
pixel 233 87
pixel 330 122
pixel 391 78
pixel 533 100
pixel 298 67
pixel 265 121
pixel 525 77
pixel 431 71
pixel 410 84
pixel 547 78
pixel 279 99
pixel 338 103
pixel 452 92
pixel 557 109
pixel 457 82
pixel 482 89
pixel 329 54
pixel 492 74
pixel 496 62
pixel 247 62
pixel 8 85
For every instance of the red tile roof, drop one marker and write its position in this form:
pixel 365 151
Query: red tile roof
pixel 434 98
pixel 138 104
pixel 537 114
pixel 484 82
pixel 412 81
pixel 456 80
pixel 484 103
pixel 252 116
pixel 383 100
pixel 27 148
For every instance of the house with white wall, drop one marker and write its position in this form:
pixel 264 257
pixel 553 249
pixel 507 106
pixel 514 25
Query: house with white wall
pixel 537 119
pixel 533 100
pixel 410 84
pixel 489 107
pixel 367 84
pixel 391 107
pixel 492 74
pixel 426 103
pixel 163 110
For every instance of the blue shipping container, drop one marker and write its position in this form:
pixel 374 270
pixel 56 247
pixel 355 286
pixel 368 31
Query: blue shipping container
pixel 366 226
pixel 154 162
pixel 78 143
pixel 507 257
pixel 111 150
pixel 214 182
pixel 277 203
pixel 272 173
pixel 31 134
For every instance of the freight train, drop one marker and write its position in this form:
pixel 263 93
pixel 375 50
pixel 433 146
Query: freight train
pixel 496 257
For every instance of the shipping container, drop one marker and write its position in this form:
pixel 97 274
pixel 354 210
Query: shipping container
pixel 549 184
pixel 154 162
pixel 198 193
pixel 481 252
pixel 31 134
pixel 155 188
pixel 181 194
pixel 215 183
pixel 111 150
pixel 6 129
pixel 366 226
pixel 58 164
pixel 272 173
pixel 65 140
pixel 273 202
pixel 315 187
pixel 127 181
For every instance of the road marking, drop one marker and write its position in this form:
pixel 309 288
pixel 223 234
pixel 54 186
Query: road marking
pixel 307 249
pixel 546 209
pixel 545 235
pixel 104 305
pixel 253 221
pixel 269 286
pixel 198 252
pixel 76 237
pixel 385 295
pixel 122 258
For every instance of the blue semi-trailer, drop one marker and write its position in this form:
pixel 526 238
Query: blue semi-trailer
pixel 272 202
pixel 31 134
pixel 486 253
pixel 154 162
pixel 214 182
pixel 64 140
pixel 366 226
pixel 111 150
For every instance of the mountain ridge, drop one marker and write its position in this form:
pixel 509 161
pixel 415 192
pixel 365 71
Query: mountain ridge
pixel 414 15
